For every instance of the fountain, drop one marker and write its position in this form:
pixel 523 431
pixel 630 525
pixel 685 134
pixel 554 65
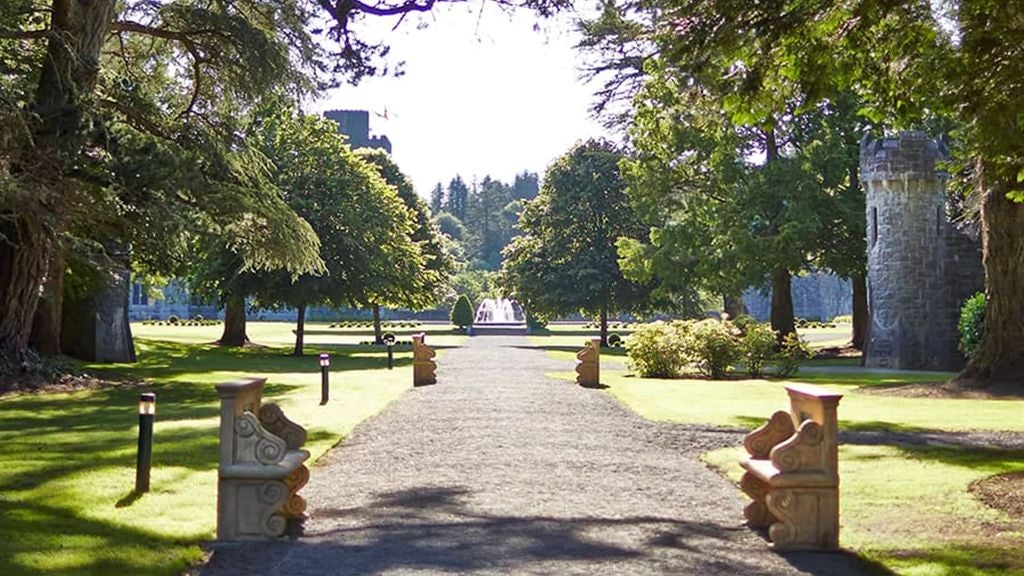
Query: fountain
pixel 499 316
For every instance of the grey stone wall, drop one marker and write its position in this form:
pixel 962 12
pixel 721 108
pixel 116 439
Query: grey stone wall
pixel 921 266
pixel 819 296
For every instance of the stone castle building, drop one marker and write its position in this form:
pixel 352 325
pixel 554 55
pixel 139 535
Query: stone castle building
pixel 356 125
pixel 921 264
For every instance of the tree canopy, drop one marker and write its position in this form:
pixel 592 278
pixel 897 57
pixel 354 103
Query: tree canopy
pixel 566 260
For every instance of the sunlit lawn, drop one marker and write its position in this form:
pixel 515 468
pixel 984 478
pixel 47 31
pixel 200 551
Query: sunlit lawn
pixel 906 507
pixel 67 461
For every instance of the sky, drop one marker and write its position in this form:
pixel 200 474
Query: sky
pixel 484 93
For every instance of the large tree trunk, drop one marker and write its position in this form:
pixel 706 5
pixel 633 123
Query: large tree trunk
pixel 300 330
pixel 1000 355
pixel 68 77
pixel 782 304
pixel 378 336
pixel 861 315
pixel 733 306
pixel 24 259
pixel 47 323
pixel 234 323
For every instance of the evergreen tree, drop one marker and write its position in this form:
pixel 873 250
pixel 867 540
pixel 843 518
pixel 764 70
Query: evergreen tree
pixel 462 312
pixel 457 198
pixel 437 199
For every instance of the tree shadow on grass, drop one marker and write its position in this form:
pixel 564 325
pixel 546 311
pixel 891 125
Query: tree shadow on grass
pixel 30 531
pixel 434 529
pixel 616 352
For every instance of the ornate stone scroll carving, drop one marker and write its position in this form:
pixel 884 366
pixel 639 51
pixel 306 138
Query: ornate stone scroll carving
pixel 423 365
pixel 793 480
pixel 588 364
pixel 261 465
pixel 759 443
pixel 273 419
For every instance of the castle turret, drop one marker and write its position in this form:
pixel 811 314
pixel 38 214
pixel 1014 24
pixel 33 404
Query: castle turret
pixel 921 266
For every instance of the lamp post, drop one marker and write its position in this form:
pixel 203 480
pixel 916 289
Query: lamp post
pixel 325 363
pixel 147 412
pixel 389 339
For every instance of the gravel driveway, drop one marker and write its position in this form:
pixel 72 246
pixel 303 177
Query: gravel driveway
pixel 498 469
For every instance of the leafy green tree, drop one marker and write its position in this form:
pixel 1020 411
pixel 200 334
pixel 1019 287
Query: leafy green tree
pixel 909 63
pixel 425 285
pixel 566 260
pixel 485 221
pixel 364 228
pixel 175 73
pixel 462 312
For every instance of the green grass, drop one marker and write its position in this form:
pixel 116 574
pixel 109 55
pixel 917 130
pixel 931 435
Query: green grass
pixel 908 508
pixel 67 460
pixel 750 402
pixel 905 508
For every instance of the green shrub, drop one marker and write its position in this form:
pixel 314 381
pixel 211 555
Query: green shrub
pixel 742 321
pixel 534 322
pixel 172 319
pixel 794 351
pixel 462 312
pixel 714 347
pixel 971 323
pixel 614 340
pixel 844 319
pixel 658 349
pixel 198 318
pixel 758 347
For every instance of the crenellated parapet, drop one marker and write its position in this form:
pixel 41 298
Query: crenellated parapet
pixel 921 264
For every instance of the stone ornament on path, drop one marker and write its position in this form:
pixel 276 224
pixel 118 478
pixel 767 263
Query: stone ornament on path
pixel 423 366
pixel 261 465
pixel 792 472
pixel 588 364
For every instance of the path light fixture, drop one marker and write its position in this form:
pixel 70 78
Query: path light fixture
pixel 147 412
pixel 325 363
pixel 389 340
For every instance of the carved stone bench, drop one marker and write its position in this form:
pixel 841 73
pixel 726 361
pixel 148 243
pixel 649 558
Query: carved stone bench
pixel 261 465
pixel 792 472
pixel 423 365
pixel 588 364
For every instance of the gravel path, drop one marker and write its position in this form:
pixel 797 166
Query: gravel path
pixel 498 469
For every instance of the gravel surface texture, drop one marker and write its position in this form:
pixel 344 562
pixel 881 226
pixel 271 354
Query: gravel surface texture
pixel 498 469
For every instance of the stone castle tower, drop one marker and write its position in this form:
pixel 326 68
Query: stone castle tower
pixel 921 266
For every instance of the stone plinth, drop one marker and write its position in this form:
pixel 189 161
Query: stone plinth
pixel 588 364
pixel 921 265
pixel 424 367
pixel 261 465
pixel 792 472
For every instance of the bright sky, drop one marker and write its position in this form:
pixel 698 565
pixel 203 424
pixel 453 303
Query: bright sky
pixel 483 93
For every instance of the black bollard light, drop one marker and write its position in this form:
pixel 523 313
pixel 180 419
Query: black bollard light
pixel 389 340
pixel 147 412
pixel 325 363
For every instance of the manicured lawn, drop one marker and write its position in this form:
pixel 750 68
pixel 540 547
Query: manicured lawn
pixel 907 507
pixel 67 460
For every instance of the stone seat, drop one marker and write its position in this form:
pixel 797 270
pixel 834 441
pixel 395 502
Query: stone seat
pixel 292 460
pixel 792 473
pixel 262 465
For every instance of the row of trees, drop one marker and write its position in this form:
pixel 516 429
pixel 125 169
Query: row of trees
pixel 745 119
pixel 480 218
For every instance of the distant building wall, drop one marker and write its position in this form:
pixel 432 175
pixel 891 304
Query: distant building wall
pixel 921 266
pixel 819 296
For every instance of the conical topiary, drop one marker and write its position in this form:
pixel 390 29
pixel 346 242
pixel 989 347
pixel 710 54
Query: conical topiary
pixel 462 312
